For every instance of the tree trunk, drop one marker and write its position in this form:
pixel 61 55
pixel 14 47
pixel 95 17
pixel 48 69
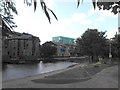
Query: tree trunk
pixel 94 58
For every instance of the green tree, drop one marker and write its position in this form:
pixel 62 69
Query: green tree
pixel 108 4
pixel 115 43
pixel 48 49
pixel 79 50
pixel 6 9
pixel 92 43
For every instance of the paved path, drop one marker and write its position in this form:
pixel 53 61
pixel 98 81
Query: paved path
pixel 107 78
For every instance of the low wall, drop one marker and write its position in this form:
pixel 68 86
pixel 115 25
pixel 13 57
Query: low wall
pixel 23 59
pixel 70 59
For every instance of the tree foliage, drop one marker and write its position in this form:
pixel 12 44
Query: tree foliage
pixel 114 5
pixel 6 9
pixel 48 49
pixel 116 46
pixel 92 43
pixel 44 8
pixel 101 4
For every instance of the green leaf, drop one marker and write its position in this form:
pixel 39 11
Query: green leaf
pixel 94 3
pixel 53 13
pixel 78 3
pixel 46 13
pixel 35 5
pixel 42 4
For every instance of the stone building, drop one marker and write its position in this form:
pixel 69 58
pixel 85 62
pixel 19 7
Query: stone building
pixel 19 46
pixel 24 47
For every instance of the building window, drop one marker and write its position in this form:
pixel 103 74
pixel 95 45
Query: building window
pixel 24 44
pixel 8 52
pixel 27 44
pixel 6 37
pixel 13 54
pixel 5 46
pixel 14 41
pixel 18 53
pixel 13 47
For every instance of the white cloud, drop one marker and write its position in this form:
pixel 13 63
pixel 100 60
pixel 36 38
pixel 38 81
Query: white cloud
pixel 38 25
pixel 86 22
pixel 50 3
pixel 81 18
pixel 105 13
pixel 111 33
pixel 91 12
pixel 95 24
pixel 100 19
pixel 78 16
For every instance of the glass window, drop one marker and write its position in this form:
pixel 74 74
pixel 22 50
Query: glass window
pixel 8 52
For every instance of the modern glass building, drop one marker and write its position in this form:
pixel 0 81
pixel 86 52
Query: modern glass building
pixel 64 40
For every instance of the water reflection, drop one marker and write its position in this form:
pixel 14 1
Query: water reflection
pixel 13 71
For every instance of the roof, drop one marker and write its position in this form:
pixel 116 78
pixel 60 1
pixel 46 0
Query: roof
pixel 23 37
pixel 63 40
pixel 63 37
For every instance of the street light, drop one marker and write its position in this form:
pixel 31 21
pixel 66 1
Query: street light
pixel 110 54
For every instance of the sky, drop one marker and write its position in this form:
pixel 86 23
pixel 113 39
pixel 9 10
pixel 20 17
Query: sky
pixel 72 21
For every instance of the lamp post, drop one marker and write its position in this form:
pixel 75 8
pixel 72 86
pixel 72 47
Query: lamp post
pixel 0 40
pixel 110 54
pixel 0 51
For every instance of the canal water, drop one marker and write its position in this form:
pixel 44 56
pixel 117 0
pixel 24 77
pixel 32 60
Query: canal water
pixel 14 71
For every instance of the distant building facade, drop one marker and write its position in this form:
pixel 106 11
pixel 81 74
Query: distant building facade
pixel 65 45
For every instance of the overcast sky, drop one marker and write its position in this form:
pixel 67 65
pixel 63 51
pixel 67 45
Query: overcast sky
pixel 72 21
